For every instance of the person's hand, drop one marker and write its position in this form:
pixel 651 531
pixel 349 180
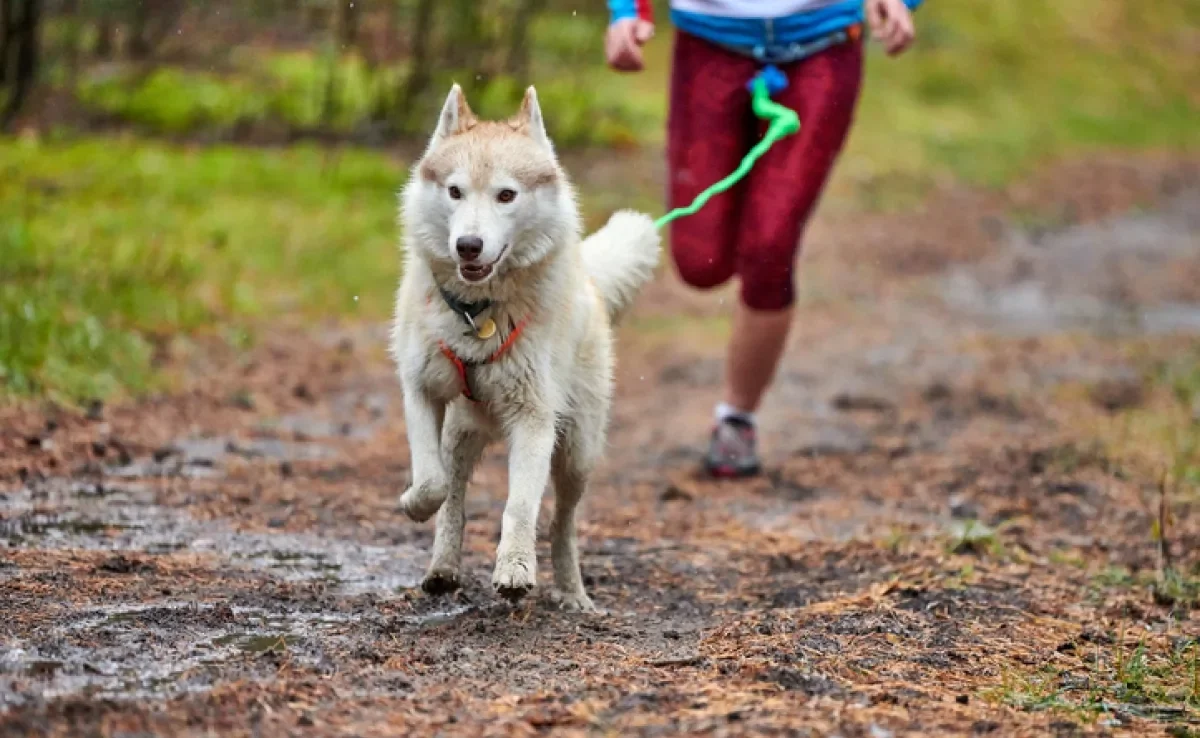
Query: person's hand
pixel 623 44
pixel 891 24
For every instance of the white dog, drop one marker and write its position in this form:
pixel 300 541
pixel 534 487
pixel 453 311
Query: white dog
pixel 503 330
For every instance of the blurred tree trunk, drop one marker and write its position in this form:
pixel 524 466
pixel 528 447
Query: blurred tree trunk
pixel 419 71
pixel 465 43
pixel 139 44
pixel 378 52
pixel 329 103
pixel 6 24
pixel 348 23
pixel 342 34
pixel 71 40
pixel 315 16
pixel 150 24
pixel 104 38
pixel 516 63
pixel 391 29
pixel 22 20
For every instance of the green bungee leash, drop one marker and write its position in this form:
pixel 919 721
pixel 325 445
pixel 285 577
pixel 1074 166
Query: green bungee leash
pixel 783 123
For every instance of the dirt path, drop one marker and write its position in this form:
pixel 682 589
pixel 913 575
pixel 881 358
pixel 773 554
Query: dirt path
pixel 934 550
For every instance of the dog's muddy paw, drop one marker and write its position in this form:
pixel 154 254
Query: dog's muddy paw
pixel 420 502
pixel 513 579
pixel 513 593
pixel 574 602
pixel 441 581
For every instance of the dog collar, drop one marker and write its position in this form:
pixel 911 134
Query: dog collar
pixel 470 312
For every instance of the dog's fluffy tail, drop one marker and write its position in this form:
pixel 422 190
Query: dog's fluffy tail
pixel 620 258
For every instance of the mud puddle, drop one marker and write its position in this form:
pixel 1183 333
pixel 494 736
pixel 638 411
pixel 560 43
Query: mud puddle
pixel 163 649
pixel 60 514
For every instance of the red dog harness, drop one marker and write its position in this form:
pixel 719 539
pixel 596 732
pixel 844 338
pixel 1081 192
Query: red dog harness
pixel 469 312
pixel 464 367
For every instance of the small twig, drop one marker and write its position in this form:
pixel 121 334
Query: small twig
pixel 1164 515
pixel 686 660
pixel 1196 671
pixel 1120 655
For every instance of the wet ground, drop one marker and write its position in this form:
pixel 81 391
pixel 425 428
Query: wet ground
pixel 950 538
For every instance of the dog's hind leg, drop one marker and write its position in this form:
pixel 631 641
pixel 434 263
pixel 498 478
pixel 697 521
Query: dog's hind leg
pixel 580 445
pixel 570 472
pixel 463 442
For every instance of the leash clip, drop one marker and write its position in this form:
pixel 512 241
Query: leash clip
pixel 772 76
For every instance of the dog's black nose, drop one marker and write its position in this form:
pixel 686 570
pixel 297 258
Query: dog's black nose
pixel 469 247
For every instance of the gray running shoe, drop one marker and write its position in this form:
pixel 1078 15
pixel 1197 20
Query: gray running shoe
pixel 732 452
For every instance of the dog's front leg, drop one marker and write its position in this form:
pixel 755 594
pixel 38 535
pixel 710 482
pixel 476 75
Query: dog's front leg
pixel 531 444
pixel 423 416
pixel 463 441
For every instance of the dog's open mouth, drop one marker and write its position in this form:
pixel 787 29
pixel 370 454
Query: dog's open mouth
pixel 475 272
pixel 480 272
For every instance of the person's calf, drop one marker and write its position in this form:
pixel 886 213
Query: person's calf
pixel 754 351
pixel 755 348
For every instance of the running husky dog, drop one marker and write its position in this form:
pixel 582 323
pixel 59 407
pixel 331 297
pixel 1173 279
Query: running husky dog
pixel 503 330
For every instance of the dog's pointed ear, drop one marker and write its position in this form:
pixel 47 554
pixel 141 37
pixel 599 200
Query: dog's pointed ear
pixel 456 115
pixel 530 119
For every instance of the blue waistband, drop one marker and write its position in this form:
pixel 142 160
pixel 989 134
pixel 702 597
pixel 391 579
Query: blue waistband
pixel 789 52
pixel 774 39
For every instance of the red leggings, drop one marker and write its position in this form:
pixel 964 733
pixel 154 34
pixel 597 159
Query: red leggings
pixel 753 230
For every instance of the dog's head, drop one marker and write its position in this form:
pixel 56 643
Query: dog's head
pixel 489 197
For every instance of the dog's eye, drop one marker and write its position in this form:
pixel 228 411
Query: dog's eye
pixel 506 195
pixel 455 193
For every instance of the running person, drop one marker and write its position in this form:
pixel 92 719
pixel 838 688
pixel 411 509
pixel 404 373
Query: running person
pixel 754 230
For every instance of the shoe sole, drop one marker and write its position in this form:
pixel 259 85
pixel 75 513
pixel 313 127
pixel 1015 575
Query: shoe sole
pixel 732 472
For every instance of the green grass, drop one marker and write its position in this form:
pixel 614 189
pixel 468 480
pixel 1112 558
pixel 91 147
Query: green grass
pixel 1176 589
pixel 1172 588
pixel 1161 435
pixel 972 537
pixel 1156 682
pixel 1182 376
pixel 107 245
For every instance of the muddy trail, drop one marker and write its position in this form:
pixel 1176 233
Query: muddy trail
pixel 942 543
